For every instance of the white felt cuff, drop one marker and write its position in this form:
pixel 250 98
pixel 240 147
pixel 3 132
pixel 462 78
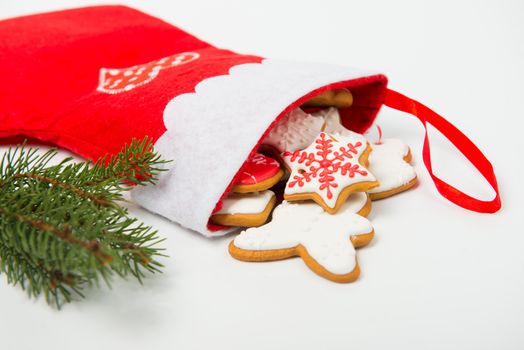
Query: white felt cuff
pixel 211 132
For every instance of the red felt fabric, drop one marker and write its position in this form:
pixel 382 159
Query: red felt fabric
pixel 50 65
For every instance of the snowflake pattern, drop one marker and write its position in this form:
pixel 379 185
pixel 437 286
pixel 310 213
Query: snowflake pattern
pixel 326 167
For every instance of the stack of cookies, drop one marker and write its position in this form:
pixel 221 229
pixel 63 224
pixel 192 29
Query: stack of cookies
pixel 314 181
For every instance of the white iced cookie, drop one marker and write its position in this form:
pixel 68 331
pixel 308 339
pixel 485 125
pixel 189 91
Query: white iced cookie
pixel 245 209
pixel 324 241
pixel 389 162
pixel 328 171
pixel 295 131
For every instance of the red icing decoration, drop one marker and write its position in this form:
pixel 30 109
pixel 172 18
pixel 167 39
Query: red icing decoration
pixel 324 163
pixel 257 169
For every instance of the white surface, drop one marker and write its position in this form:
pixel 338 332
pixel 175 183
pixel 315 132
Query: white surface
pixel 436 276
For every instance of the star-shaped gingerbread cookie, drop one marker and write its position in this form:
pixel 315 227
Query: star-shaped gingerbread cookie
pixel 329 170
pixel 324 241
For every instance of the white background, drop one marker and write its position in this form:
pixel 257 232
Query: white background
pixel 435 276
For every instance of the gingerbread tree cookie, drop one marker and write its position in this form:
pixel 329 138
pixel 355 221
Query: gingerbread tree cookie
pixel 329 170
pixel 324 241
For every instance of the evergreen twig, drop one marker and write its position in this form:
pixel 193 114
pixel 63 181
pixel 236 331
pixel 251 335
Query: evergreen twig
pixel 62 227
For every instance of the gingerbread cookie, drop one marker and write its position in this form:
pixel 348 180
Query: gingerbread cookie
pixel 389 162
pixel 340 98
pixel 324 241
pixel 260 172
pixel 329 170
pixel 245 209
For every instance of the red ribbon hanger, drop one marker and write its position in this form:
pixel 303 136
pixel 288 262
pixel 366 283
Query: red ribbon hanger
pixel 426 116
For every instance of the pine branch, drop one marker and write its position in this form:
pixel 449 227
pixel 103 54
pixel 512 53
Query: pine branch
pixel 76 189
pixel 62 227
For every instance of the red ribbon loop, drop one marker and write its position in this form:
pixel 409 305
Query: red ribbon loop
pixel 403 103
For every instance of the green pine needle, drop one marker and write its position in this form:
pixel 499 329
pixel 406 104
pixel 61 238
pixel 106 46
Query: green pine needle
pixel 62 227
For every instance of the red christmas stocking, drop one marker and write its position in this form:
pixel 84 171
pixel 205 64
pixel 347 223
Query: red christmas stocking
pixel 91 79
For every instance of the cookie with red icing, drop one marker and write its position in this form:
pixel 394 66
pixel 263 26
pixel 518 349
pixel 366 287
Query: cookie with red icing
pixel 329 170
pixel 259 173
pixel 324 241
pixel 245 209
